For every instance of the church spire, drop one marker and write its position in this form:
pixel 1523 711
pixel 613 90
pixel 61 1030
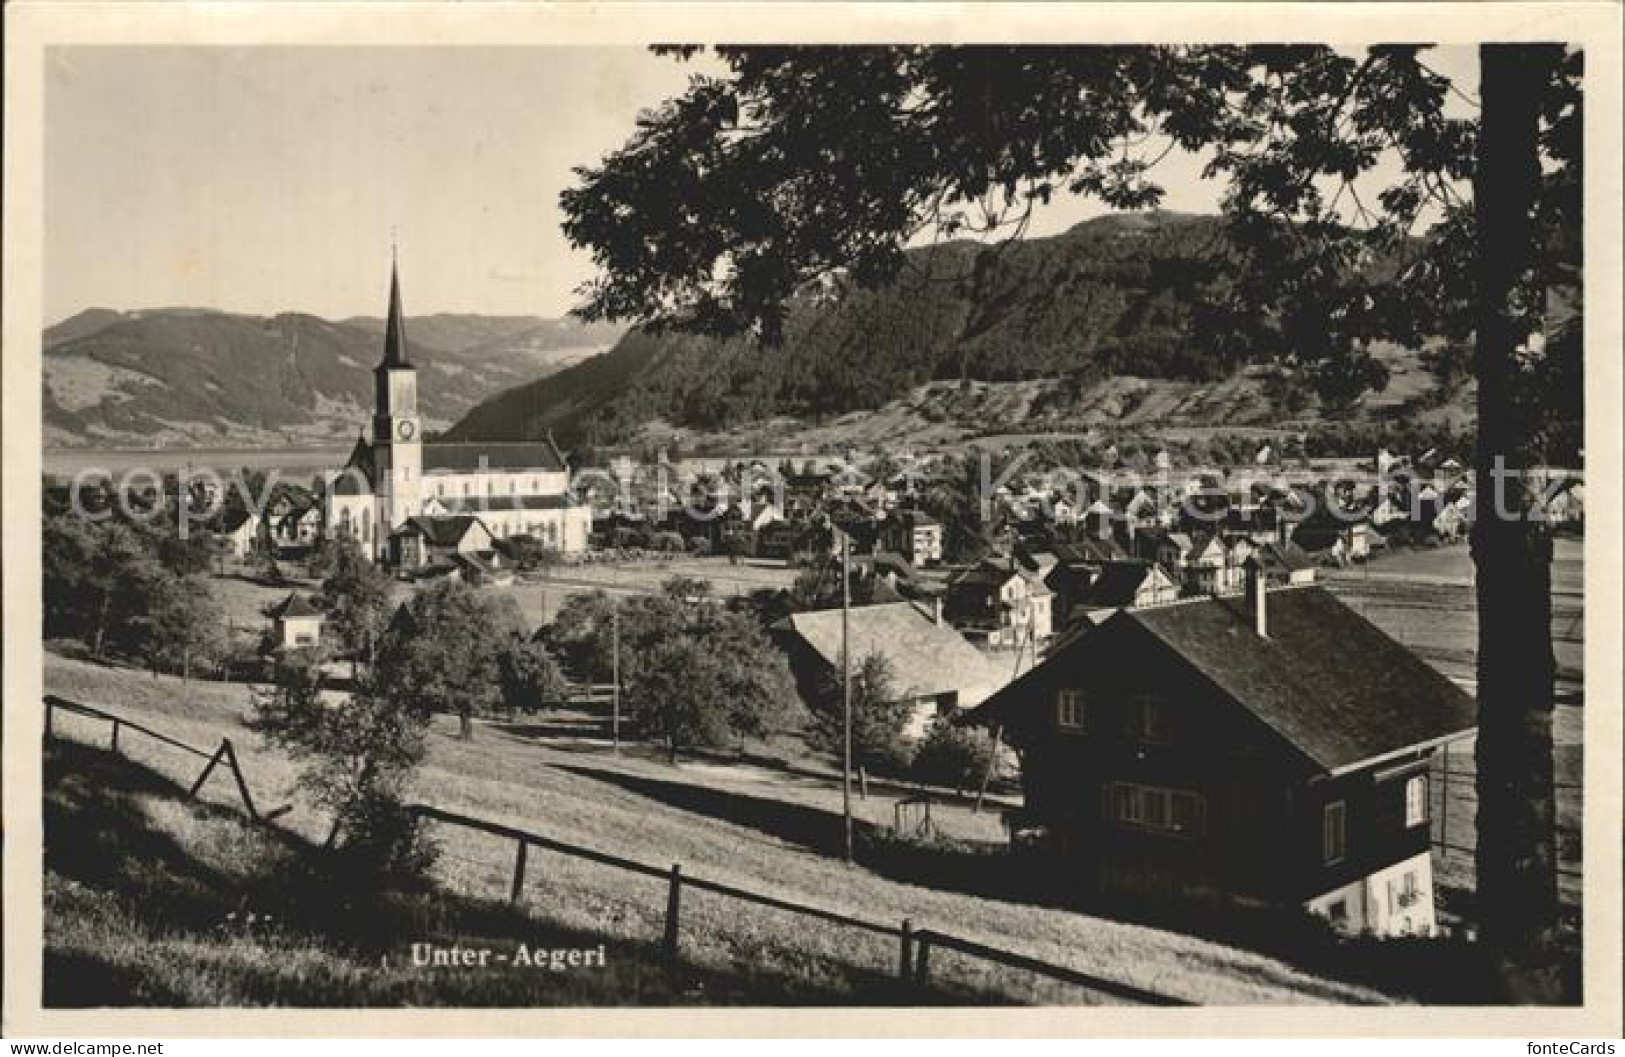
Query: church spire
pixel 395 326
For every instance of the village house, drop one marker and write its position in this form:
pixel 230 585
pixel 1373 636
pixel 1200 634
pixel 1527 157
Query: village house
pixel 1283 564
pixel 998 604
pixel 295 623
pixel 1268 747
pixel 237 530
pixel 426 541
pixel 932 666
pixel 1118 585
pixel 299 526
pixel 916 535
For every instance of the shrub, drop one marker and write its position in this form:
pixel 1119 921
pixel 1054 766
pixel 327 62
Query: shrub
pixel 954 756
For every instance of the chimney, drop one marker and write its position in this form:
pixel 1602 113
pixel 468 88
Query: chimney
pixel 1257 598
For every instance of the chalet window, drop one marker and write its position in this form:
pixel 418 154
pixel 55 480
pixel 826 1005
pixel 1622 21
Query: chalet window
pixel 1069 709
pixel 1334 832
pixel 1175 811
pixel 1151 720
pixel 1416 800
pixel 1405 894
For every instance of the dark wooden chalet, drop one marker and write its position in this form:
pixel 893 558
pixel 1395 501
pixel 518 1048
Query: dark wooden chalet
pixel 1272 746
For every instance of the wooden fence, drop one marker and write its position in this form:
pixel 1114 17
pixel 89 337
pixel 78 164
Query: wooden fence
pixel 1444 823
pixel 226 753
pixel 914 946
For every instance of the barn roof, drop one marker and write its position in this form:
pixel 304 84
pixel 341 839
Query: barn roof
pixel 926 658
pixel 1325 679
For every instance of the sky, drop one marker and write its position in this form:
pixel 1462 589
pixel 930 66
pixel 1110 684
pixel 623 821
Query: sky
pixel 265 180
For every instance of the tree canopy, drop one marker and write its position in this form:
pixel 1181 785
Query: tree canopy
pixel 806 172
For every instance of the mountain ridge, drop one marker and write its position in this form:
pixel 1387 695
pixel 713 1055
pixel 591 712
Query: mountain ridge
pixel 205 376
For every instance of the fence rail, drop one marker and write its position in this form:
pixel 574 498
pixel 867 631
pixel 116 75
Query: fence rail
pixel 914 947
pixel 226 753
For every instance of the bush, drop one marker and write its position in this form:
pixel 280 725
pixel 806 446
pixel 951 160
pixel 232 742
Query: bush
pixel 953 756
pixel 381 839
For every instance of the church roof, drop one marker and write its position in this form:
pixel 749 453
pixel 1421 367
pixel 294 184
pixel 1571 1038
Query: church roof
pixel 356 478
pixel 457 457
pixel 394 326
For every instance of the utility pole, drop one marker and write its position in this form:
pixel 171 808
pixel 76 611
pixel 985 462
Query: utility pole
pixel 846 689
pixel 615 662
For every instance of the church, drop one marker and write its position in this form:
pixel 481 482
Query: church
pixel 402 498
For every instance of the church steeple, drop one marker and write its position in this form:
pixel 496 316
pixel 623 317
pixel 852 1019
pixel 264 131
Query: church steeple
pixel 395 325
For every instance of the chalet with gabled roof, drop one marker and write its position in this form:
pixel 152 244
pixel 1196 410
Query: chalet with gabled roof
pixel 1273 746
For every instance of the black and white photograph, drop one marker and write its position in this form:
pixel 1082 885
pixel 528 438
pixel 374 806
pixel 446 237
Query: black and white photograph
pixel 682 517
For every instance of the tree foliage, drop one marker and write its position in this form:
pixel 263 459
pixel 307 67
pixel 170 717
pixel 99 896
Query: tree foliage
pixel 529 677
pixel 445 654
pixel 356 758
pixel 694 672
pixel 954 755
pixel 805 172
pixel 881 711
pixel 356 598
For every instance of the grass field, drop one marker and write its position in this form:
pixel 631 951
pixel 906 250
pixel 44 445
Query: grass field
pixel 540 596
pixel 758 828
pixel 1424 598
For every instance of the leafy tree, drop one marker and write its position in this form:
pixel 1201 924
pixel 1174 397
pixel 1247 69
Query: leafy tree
pixel 356 597
pixel 694 672
pixel 816 167
pixel 266 565
pixel 185 625
pixel 444 657
pixel 685 588
pixel 321 560
pixel 97 582
pixel 880 717
pixel 529 677
pixel 356 758
pixel 529 553
pixel 707 679
pixel 953 755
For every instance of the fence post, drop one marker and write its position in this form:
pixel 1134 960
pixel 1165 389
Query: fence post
pixel 674 898
pixel 1444 802
pixel 518 871
pixel 237 773
pixel 905 956
pixel 208 770
pixel 922 959
pixel 50 720
pixel 114 745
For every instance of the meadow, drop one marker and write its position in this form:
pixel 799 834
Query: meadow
pixel 766 828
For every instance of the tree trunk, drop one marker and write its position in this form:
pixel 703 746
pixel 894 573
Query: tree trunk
pixel 101 622
pixel 465 725
pixel 1516 857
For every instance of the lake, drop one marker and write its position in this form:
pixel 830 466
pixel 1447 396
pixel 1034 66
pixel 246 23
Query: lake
pixel 291 462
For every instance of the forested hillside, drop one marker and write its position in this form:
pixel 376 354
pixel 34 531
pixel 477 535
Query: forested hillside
pixel 1112 296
